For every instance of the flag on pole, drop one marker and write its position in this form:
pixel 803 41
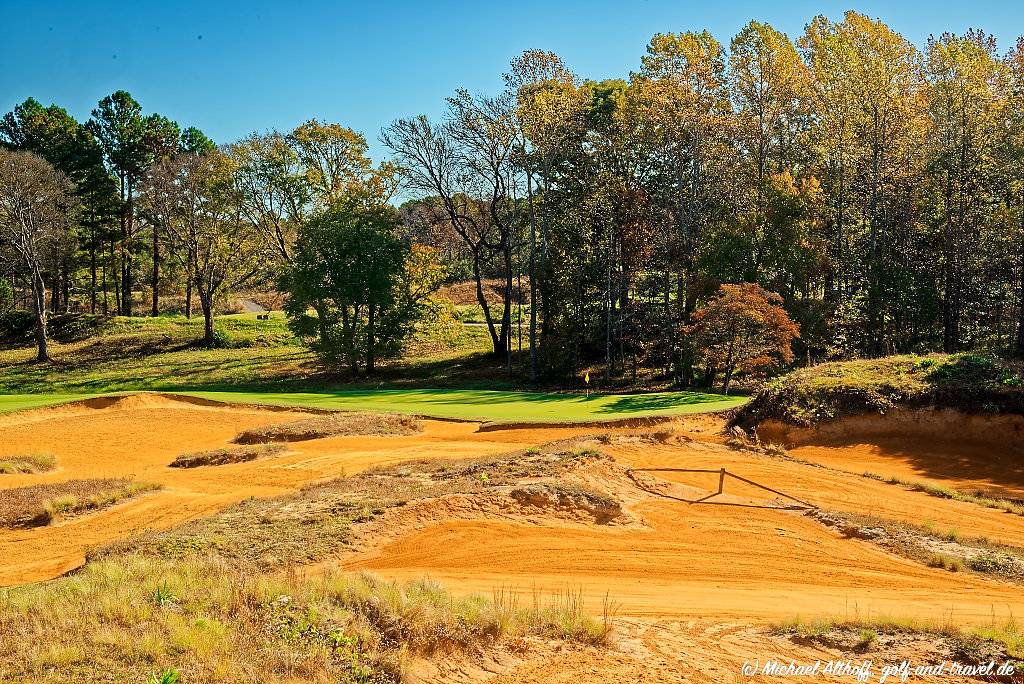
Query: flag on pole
pixel 586 377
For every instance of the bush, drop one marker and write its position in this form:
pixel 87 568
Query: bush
pixel 16 325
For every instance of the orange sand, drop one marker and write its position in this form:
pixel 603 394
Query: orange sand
pixel 137 436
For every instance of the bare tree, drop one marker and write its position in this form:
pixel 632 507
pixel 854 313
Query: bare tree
pixel 35 201
pixel 467 162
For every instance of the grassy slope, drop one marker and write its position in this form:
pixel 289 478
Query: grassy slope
pixel 97 355
pixel 969 382
pixel 263 363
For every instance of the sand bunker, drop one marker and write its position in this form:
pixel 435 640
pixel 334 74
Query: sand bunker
pixel 740 560
pixel 138 436
pixel 966 452
pixel 674 560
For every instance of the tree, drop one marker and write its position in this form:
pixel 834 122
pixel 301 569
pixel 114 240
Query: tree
pixel 967 88
pixel 131 143
pixel 364 286
pixel 200 206
pixel 744 328
pixel 467 162
pixel 71 148
pixel 35 206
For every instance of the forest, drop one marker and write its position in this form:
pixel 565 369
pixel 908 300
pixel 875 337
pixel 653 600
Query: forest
pixel 870 187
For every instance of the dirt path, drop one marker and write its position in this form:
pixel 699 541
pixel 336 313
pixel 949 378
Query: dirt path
pixel 698 652
pixel 139 435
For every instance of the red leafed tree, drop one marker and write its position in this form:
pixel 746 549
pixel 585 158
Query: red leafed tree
pixel 744 328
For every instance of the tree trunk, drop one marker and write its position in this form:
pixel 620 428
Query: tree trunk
pixel 156 271
pixel 533 276
pixel 92 271
pixel 126 259
pixel 188 284
pixel 39 304
pixel 371 322
pixel 482 300
pixel 206 302
pixel 729 368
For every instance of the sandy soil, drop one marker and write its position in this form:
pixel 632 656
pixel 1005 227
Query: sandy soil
pixel 726 561
pixel 983 453
pixel 139 435
pixel 692 582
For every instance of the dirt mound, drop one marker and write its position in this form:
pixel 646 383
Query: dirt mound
pixel 142 400
pixel 334 425
pixel 999 431
pixel 227 455
pixel 546 496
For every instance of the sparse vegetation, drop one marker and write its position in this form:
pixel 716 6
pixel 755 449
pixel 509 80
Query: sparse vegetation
pixel 227 455
pixel 32 463
pixel 206 601
pixel 969 382
pixel 925 544
pixel 229 623
pixel 333 425
pixel 1000 640
pixel 44 504
pixel 942 492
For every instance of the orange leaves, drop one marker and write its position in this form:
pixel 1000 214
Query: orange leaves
pixel 744 327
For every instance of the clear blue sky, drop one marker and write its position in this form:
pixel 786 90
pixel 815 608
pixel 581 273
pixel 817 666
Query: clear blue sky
pixel 232 68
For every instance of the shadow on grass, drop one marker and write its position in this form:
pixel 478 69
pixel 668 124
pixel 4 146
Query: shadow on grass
pixel 661 401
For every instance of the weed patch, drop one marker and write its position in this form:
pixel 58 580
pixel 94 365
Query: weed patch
pixel 44 504
pixel 333 425
pixel 227 455
pixel 33 463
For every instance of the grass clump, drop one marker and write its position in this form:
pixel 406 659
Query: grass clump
pixel 333 425
pixel 945 562
pixel 868 640
pixel 999 641
pixel 943 492
pixel 38 505
pixel 227 455
pixel 968 382
pixel 32 463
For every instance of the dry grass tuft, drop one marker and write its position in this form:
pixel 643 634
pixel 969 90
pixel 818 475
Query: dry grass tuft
pixel 134 617
pixel 333 425
pixel 227 455
pixel 999 641
pixel 32 463
pixel 44 504
pixel 942 492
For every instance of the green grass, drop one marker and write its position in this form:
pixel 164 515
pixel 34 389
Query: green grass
pixel 491 405
pixel 484 405
pixel 969 382
pixel 263 363
pixel 20 402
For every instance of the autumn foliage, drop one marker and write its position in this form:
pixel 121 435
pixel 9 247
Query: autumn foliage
pixel 744 328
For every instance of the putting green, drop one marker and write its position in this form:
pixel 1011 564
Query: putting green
pixel 19 402
pixel 544 407
pixel 488 405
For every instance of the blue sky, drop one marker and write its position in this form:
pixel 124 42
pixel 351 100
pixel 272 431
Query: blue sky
pixel 232 68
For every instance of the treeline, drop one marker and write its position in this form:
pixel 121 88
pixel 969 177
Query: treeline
pixel 89 211
pixel 876 187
